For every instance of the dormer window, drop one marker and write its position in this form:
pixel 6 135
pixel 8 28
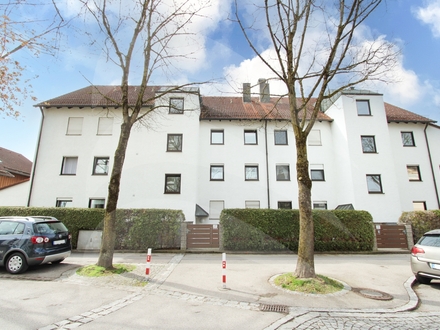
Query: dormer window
pixel 176 105
pixel 363 107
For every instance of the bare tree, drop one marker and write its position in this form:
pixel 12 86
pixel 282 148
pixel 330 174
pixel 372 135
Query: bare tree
pixel 22 29
pixel 139 38
pixel 315 48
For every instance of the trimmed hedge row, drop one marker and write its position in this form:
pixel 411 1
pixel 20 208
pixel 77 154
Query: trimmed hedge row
pixel 421 221
pixel 137 229
pixel 276 230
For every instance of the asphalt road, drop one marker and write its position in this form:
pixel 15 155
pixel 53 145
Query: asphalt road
pixel 187 293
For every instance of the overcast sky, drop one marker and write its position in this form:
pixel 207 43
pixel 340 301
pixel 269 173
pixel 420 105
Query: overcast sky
pixel 221 53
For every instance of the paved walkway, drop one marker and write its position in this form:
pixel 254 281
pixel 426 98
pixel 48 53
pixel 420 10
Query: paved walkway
pixel 290 317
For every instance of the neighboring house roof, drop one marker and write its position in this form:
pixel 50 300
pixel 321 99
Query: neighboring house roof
pixel 233 108
pixel 396 114
pixel 13 163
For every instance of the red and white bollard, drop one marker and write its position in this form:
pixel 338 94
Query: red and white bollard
pixel 147 270
pixel 224 270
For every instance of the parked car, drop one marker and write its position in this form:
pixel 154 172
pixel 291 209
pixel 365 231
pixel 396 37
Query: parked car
pixel 425 257
pixel 30 241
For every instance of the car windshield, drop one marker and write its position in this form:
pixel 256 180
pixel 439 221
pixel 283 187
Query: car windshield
pixel 430 240
pixel 46 228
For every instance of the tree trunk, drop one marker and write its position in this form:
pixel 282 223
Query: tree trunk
pixel 109 231
pixel 305 267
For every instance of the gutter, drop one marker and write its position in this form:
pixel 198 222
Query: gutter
pixel 36 158
pixel 432 166
pixel 267 165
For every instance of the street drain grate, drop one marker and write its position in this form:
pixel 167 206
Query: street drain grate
pixel 372 294
pixel 274 308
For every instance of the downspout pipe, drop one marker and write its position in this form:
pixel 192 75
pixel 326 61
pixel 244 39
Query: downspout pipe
pixel 267 165
pixel 36 157
pixel 432 166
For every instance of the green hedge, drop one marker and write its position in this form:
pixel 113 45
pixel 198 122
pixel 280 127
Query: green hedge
pixel 276 230
pixel 421 221
pixel 137 229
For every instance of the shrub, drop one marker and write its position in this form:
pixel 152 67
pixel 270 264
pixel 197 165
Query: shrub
pixel 421 221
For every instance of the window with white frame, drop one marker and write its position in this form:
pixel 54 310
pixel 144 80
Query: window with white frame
pixel 283 172
pixel 105 126
pixel 251 172
pixel 215 209
pixel 172 183
pixel 419 206
pixel 176 105
pixel 217 137
pixel 374 183
pixel 368 144
pixel 217 173
pixel 74 126
pixel 320 205
pixel 174 142
pixel 408 139
pixel 280 137
pixel 314 138
pixel 317 172
pixel 69 165
pixel 63 202
pixel 413 172
pixel 285 205
pixel 96 203
pixel 252 204
pixel 101 165
pixel 250 137
pixel 363 107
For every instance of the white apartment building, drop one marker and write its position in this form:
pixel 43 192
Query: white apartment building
pixel 201 154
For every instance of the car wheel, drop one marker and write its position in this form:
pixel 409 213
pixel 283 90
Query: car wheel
pixel 16 264
pixel 423 280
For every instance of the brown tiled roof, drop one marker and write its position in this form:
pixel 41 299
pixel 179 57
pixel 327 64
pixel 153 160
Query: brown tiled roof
pixel 233 108
pixel 13 163
pixel 98 96
pixel 396 114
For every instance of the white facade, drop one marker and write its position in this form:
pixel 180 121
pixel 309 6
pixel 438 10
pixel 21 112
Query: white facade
pixel 217 169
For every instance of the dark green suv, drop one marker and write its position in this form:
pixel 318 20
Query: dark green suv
pixel 30 241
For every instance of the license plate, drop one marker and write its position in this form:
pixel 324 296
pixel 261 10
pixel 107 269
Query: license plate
pixel 59 242
pixel 435 266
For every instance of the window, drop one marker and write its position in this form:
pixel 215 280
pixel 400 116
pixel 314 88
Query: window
pixel 419 206
pixel 283 173
pixel 363 107
pixel 11 228
pixel 285 205
pixel 69 166
pixel 96 203
pixel 320 205
pixel 317 172
pixel 413 173
pixel 215 209
pixel 63 202
pixel 105 126
pixel 74 126
pixel 250 137
pixel 408 139
pixel 280 137
pixel 314 137
pixel 217 173
pixel 251 172
pixel 172 183
pixel 100 166
pixel 217 137
pixel 176 105
pixel 174 142
pixel 252 204
pixel 368 144
pixel 374 183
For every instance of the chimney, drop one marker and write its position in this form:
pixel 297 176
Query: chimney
pixel 246 92
pixel 264 90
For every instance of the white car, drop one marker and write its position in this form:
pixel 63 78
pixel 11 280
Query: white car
pixel 425 257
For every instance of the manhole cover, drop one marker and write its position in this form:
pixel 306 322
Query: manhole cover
pixel 372 294
pixel 274 308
